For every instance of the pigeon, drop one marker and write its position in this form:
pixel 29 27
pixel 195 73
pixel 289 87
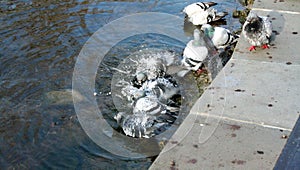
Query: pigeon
pixel 154 66
pixel 198 7
pixel 149 115
pixel 136 125
pixel 221 37
pixel 257 30
pixel 149 105
pixel 164 88
pixel 149 95
pixel 202 12
pixel 132 93
pixel 139 79
pixel 194 53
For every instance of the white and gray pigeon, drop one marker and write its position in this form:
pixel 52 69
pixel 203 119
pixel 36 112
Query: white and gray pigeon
pixel 149 105
pixel 146 117
pixel 202 12
pixel 132 93
pixel 136 125
pixel 193 54
pixel 221 37
pixel 257 30
pixel 164 88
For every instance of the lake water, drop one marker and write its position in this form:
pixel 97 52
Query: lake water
pixel 40 44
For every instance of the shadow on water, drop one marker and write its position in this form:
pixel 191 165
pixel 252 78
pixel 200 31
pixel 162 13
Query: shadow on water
pixel 40 41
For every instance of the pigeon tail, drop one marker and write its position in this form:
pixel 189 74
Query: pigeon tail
pixel 220 15
pixel 210 4
pixel 182 73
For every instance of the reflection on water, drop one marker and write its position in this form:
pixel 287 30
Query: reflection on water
pixel 40 41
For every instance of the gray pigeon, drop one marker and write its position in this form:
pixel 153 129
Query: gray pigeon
pixel 257 30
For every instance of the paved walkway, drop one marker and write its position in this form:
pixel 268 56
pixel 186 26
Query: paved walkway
pixel 243 119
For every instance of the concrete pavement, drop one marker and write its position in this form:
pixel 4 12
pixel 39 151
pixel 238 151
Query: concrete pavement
pixel 243 119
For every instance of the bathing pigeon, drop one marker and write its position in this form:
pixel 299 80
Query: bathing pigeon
pixel 194 53
pixel 149 105
pixel 201 13
pixel 257 30
pixel 148 98
pixel 149 115
pixel 164 88
pixel 139 79
pixel 153 65
pixel 132 93
pixel 221 37
pixel 136 125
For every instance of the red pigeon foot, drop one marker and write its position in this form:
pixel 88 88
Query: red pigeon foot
pixel 252 48
pixel 265 46
pixel 200 71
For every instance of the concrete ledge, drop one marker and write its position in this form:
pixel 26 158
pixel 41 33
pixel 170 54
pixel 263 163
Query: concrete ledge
pixel 243 118
pixel 282 5
pixel 254 91
pixel 290 156
pixel 233 145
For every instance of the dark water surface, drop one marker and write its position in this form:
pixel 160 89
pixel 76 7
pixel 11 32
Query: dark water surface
pixel 40 42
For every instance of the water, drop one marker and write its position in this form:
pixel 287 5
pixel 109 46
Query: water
pixel 40 42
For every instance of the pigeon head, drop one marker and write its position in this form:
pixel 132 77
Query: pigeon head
pixel 208 30
pixel 196 41
pixel 255 23
pixel 119 117
pixel 251 16
pixel 139 79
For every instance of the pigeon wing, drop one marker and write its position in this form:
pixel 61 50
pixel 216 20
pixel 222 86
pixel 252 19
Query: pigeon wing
pixel 267 26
